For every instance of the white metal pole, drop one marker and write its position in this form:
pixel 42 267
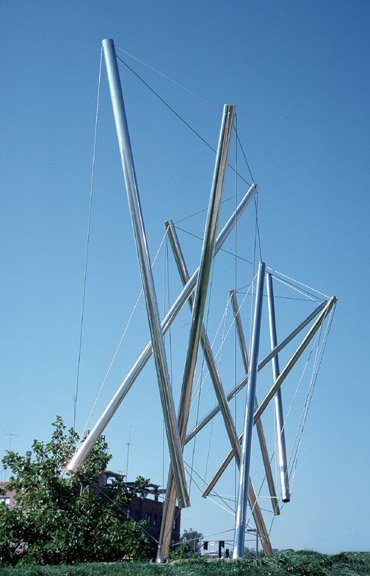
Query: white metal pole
pixel 261 365
pixel 169 415
pixel 279 417
pixel 241 512
pixel 290 364
pixel 324 308
pixel 206 260
pixel 259 426
pixel 98 428
pixel 208 354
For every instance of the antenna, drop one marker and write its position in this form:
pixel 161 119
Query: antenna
pixel 11 436
pixel 128 452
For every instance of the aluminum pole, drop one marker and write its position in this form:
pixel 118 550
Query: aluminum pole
pixel 261 365
pixel 259 426
pixel 241 512
pixel 85 447
pixel 301 348
pixel 208 354
pixel 324 311
pixel 279 417
pixel 169 415
pixel 258 519
pixel 200 297
pixel 210 360
pixel 207 250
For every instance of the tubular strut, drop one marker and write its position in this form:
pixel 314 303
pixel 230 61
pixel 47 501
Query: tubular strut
pixel 279 418
pixel 241 511
pixel 260 432
pixel 324 308
pixel 84 448
pixel 176 428
pixel 159 353
pixel 199 302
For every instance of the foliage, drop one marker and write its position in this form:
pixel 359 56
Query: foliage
pixel 286 564
pixel 311 563
pixel 60 519
pixel 189 546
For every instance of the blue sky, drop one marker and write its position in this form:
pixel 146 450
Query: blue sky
pixel 298 73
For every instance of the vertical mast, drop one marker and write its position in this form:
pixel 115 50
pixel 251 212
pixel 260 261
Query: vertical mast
pixel 207 254
pixel 126 385
pixel 279 418
pixel 260 431
pixel 172 431
pixel 241 512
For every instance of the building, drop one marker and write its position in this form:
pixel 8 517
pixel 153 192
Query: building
pixel 148 507
pixel 7 496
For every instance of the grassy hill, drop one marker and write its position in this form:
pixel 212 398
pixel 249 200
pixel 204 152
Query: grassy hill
pixel 288 563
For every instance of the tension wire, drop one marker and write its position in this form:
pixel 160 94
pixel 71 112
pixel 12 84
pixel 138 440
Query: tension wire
pixel 92 181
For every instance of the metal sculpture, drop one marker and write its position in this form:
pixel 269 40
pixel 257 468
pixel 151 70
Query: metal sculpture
pixel 177 431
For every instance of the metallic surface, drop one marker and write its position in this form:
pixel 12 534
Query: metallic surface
pixel 159 353
pixel 260 432
pixel 261 365
pixel 208 354
pixel 207 252
pixel 279 417
pixel 259 521
pixel 258 518
pixel 241 511
pixel 84 448
pixel 199 301
pixel 237 389
pixel 301 348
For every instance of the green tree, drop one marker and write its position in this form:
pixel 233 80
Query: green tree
pixel 65 519
pixel 189 546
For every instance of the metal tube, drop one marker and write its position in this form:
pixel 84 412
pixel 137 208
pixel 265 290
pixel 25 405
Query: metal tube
pixel 261 365
pixel 241 516
pixel 301 348
pixel 259 521
pixel 259 426
pixel 279 417
pixel 84 448
pixel 168 408
pixel 207 249
pixel 258 412
pixel 206 259
pixel 209 358
pixel 256 511
pixel 239 330
pixel 235 451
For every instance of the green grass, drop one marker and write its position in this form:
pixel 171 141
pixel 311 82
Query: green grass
pixel 289 563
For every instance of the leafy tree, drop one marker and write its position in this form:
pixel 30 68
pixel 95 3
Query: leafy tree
pixel 189 546
pixel 61 519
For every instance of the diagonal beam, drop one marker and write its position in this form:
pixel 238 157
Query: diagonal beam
pixel 256 511
pixel 279 417
pixel 261 365
pixel 198 307
pixel 208 354
pixel 246 452
pixel 260 432
pixel 294 359
pixel 84 448
pixel 284 373
pixel 137 221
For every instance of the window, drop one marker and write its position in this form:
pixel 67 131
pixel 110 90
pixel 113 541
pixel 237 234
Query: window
pixel 5 500
pixel 148 519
